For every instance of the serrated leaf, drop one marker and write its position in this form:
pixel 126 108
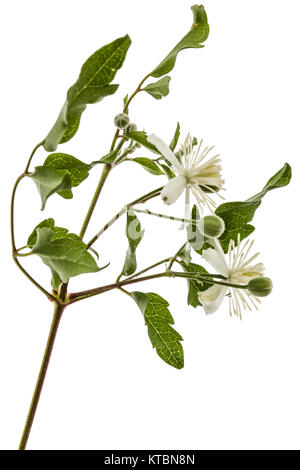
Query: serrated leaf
pixel 134 235
pixel 175 139
pixel 159 89
pixel 66 257
pixel 91 87
pixel 194 286
pixel 141 138
pixel 148 164
pixel 237 215
pixel 193 39
pixel 78 170
pixel 50 181
pixel 158 319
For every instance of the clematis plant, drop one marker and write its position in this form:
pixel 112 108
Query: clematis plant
pixel 214 234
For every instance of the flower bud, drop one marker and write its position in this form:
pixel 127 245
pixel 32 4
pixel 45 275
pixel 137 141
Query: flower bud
pixel 121 121
pixel 212 226
pixel 131 127
pixel 260 286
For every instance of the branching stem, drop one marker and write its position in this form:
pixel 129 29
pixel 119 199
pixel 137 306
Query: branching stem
pixel 142 199
pixel 76 296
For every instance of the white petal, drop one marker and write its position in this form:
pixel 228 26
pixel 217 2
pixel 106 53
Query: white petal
pixel 173 189
pixel 212 298
pixel 164 150
pixel 216 259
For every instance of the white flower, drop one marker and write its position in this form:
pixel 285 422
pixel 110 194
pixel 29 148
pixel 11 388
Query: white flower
pixel 193 175
pixel 238 270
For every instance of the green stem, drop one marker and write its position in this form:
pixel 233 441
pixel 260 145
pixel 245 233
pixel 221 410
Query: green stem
pixel 22 255
pixel 148 268
pixel 59 308
pixel 33 281
pixel 116 136
pixel 124 154
pixel 174 258
pixel 125 109
pixel 141 199
pixel 12 211
pixel 12 227
pixel 107 168
pixel 22 248
pixel 135 93
pixel 13 196
pixel 32 154
pixel 104 175
pixel 76 296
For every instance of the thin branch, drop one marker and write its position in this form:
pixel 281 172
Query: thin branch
pixel 33 281
pixel 76 296
pixel 174 258
pixel 138 89
pixel 140 200
pixel 148 268
pixel 12 228
pixel 104 175
pixel 32 155
pixel 163 216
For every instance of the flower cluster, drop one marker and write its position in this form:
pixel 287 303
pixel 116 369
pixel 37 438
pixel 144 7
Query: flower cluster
pixel 202 178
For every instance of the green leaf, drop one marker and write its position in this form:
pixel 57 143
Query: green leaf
pixel 185 254
pixel 78 170
pixel 158 319
pixel 134 235
pixel 280 179
pixel 58 232
pixel 33 236
pixel 193 39
pixel 55 280
pixel 141 138
pixel 92 86
pixel 175 139
pixel 237 215
pixel 159 88
pixel 125 100
pixel 50 181
pixel 170 174
pixel 66 256
pixel 109 158
pixel 71 130
pixel 148 164
pixel 194 286
pixel 194 236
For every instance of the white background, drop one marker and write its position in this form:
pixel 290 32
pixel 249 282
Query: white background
pixel 106 388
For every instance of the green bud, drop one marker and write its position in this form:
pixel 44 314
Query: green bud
pixel 260 286
pixel 121 121
pixel 131 127
pixel 212 226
